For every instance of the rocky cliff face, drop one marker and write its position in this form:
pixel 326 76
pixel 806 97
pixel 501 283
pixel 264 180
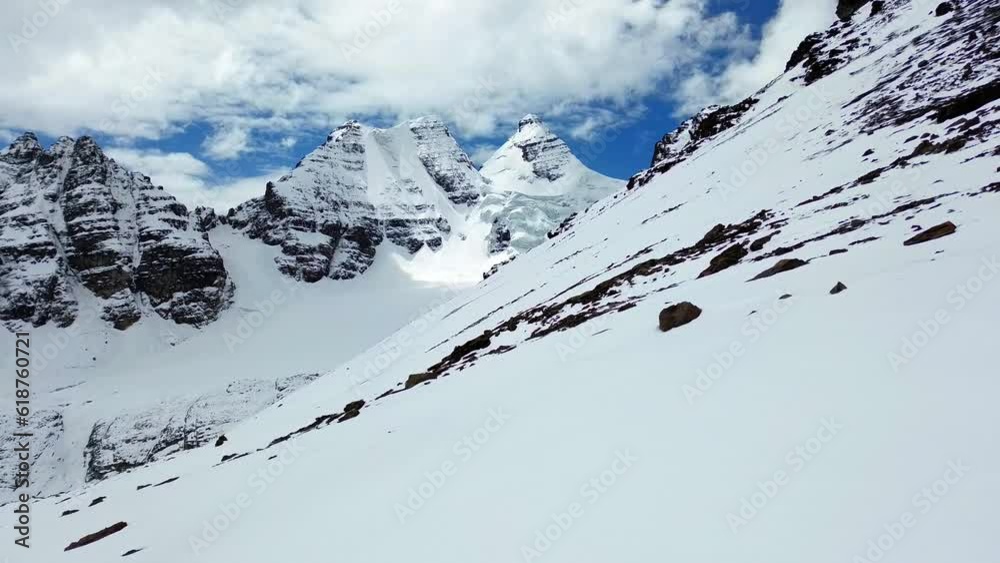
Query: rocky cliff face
pixel 73 221
pixel 361 187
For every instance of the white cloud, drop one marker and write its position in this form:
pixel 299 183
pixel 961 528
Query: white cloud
pixel 192 181
pixel 6 137
pixel 227 143
pixel 482 152
pixel 289 142
pixel 745 75
pixel 146 69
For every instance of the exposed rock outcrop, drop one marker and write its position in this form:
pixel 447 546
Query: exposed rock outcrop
pixel 74 221
pixel 361 187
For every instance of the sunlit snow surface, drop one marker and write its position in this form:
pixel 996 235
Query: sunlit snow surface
pixel 847 412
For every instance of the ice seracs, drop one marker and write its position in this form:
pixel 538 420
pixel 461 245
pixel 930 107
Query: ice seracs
pixel 536 182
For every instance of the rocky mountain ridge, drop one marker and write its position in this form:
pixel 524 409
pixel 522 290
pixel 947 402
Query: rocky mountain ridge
pixel 80 234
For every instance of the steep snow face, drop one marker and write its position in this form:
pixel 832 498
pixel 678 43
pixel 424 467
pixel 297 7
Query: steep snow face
pixel 74 225
pixel 407 184
pixel 535 184
pixel 536 162
pixel 546 416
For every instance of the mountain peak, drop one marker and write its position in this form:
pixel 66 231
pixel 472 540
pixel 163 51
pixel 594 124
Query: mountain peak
pixel 528 120
pixel 25 146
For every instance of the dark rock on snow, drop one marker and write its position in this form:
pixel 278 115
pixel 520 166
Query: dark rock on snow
pixel 782 266
pixel 839 288
pixel 933 233
pixel 96 536
pixel 678 315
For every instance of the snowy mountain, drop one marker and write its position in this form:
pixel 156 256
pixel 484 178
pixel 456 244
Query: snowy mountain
pixel 403 193
pixel 78 231
pixel 409 185
pixel 776 346
pixel 536 183
pixel 412 185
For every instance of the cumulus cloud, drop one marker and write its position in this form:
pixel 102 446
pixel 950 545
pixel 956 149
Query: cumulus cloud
pixel 191 180
pixel 227 143
pixel 743 76
pixel 482 152
pixel 146 69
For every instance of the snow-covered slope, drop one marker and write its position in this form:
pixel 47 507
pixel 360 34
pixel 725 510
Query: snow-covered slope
pixel 144 381
pixel 545 416
pixel 115 399
pixel 78 231
pixel 535 184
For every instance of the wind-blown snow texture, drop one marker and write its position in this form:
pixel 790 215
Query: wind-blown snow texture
pixel 546 417
pixel 73 221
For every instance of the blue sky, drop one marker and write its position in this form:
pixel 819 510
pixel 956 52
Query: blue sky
pixel 213 103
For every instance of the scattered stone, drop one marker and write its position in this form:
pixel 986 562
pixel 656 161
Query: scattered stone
pixel 131 552
pixel 760 243
pixel 944 8
pixel 418 378
pixel 678 315
pixel 782 266
pixel 222 440
pixel 785 296
pixel 847 8
pixel 838 251
pixel 352 410
pixel 167 482
pixel 96 536
pixel 68 512
pixel 725 260
pixel 97 501
pixel 933 233
pixel 839 288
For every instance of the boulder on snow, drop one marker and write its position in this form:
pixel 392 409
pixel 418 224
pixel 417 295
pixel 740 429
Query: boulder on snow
pixel 847 8
pixel 839 288
pixel 97 536
pixel 944 8
pixel 933 233
pixel 678 315
pixel 725 260
pixel 782 266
